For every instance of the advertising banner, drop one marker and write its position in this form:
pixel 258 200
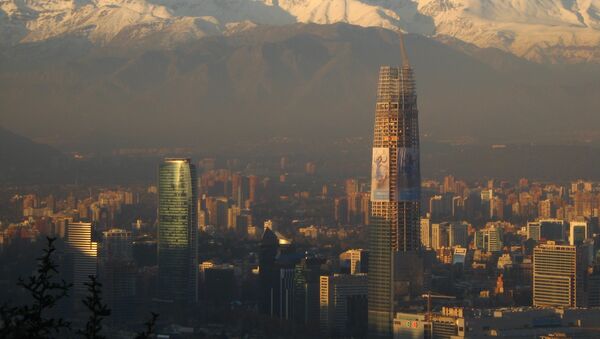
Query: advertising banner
pixel 409 174
pixel 380 174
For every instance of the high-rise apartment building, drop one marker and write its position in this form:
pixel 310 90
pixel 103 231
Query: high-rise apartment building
pixel 557 276
pixel 394 229
pixel 534 230
pixel 426 232
pixel 545 209
pixel 439 235
pixel 449 184
pixel 177 231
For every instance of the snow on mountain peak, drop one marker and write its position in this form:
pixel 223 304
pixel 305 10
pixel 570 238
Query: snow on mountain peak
pixel 542 30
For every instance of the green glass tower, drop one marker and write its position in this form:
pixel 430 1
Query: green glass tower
pixel 394 230
pixel 177 231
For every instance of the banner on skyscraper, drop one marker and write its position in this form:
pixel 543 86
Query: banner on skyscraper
pixel 380 174
pixel 409 175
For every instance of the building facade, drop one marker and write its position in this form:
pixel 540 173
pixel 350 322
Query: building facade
pixel 83 253
pixel 557 276
pixel 354 261
pixel 578 232
pixel 395 191
pixel 489 239
pixel 337 292
pixel 117 272
pixel 177 231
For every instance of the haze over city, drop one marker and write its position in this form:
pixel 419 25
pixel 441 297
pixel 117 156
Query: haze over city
pixel 299 168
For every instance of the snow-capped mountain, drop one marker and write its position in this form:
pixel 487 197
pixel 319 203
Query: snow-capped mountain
pixel 541 30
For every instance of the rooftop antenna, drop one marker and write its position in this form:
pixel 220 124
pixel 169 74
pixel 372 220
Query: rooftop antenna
pixel 405 62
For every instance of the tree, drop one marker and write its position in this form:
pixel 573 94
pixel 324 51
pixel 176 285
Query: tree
pixel 98 310
pixel 34 321
pixel 148 332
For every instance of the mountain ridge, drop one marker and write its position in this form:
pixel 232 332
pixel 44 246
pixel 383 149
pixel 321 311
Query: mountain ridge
pixel 285 81
pixel 545 31
pixel 24 159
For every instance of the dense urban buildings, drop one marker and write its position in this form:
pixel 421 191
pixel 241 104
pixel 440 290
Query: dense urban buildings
pixel 262 256
pixel 283 249
pixel 271 169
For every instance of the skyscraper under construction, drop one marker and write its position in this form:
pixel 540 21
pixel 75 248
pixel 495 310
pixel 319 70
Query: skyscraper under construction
pixel 394 229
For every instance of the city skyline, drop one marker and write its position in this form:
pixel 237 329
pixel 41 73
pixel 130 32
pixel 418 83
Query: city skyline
pixel 257 169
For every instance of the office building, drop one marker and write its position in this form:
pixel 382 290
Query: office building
pixel 489 239
pixel 117 273
pixel 558 274
pixel 578 232
pixel 552 229
pixel 354 261
pixel 394 228
pixel 336 294
pixel 267 273
pixel 593 292
pixel 277 267
pixel 83 253
pixel 487 197
pixel 177 231
pixel 545 209
pixel 307 276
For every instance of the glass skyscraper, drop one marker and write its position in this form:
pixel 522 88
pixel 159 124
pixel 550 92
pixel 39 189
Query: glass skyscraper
pixel 177 231
pixel 394 230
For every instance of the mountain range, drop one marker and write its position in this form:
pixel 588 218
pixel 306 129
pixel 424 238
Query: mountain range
pixel 547 31
pixel 129 73
pixel 25 160
pixel 300 80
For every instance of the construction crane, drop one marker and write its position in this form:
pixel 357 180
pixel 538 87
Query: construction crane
pixel 429 296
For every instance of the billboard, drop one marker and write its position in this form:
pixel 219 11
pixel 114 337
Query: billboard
pixel 409 174
pixel 380 174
